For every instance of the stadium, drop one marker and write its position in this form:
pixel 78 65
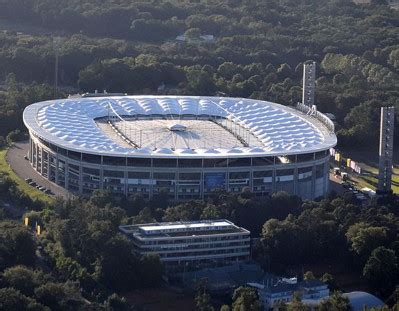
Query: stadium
pixel 183 146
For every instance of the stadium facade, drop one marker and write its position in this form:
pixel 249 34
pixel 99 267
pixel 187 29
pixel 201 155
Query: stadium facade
pixel 186 146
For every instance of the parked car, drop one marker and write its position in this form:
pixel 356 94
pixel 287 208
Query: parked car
pixel 32 183
pixel 346 185
pixel 28 180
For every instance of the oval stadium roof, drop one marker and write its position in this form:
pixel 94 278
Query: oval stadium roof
pixel 70 123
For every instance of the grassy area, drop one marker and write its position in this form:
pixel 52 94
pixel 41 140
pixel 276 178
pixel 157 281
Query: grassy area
pixel 369 177
pixel 371 180
pixel 22 185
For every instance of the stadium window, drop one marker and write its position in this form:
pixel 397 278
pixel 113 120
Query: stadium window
pixel 139 175
pixel 190 176
pixel 91 158
pixel 305 173
pixel 215 162
pixel 91 171
pixel 261 174
pixel 321 154
pixel 44 142
pixel 139 162
pixel 53 147
pixel 238 175
pixel 305 157
pixel 73 168
pixel 164 176
pixel 262 161
pixel 320 171
pixel 190 162
pixel 74 155
pixel 291 158
pixel 288 173
pixel 239 162
pixel 116 174
pixel 164 162
pixel 62 151
pixel 114 161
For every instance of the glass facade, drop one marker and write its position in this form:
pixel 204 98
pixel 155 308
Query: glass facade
pixel 305 175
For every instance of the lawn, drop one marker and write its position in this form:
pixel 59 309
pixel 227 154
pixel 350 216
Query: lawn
pixel 371 180
pixel 32 192
pixel 369 164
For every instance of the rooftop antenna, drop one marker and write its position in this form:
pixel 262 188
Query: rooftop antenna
pixel 309 78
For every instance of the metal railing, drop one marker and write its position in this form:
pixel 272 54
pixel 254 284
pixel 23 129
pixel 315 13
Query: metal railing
pixel 312 111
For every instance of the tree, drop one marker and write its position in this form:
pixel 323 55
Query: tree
pixel 200 82
pixel 14 136
pixel 151 270
pixel 284 71
pixel 116 303
pixel 193 33
pixel 12 300
pixel 246 299
pixel 363 238
pixel 60 296
pixel 296 304
pixel 381 270
pixel 117 267
pixel 203 299
pixel 101 198
pixel 329 280
pixel 3 142
pixel 22 279
pixel 17 245
pixel 336 302
pixel 308 275
pixel 188 211
pixel 227 70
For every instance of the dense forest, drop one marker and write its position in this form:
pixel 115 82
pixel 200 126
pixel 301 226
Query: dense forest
pixel 80 261
pixel 257 51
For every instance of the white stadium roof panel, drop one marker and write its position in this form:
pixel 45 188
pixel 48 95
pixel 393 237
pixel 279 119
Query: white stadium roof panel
pixel 279 130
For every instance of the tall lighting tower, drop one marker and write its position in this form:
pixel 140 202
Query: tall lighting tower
pixel 386 150
pixel 56 47
pixel 308 89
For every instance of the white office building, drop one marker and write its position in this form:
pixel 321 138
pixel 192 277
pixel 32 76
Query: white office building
pixel 186 245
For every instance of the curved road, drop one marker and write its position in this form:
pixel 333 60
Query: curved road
pixel 22 167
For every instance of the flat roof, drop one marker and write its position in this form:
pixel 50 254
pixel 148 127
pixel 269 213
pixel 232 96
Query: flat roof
pixel 192 226
pixel 70 123
pixel 181 228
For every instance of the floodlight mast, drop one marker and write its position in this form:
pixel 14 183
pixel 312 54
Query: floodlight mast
pixel 56 47
pixel 386 150
pixel 308 89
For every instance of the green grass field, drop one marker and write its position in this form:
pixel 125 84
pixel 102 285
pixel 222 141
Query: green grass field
pixel 32 192
pixel 369 176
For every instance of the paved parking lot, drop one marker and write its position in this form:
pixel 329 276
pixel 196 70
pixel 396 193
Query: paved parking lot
pixel 22 167
pixel 335 184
